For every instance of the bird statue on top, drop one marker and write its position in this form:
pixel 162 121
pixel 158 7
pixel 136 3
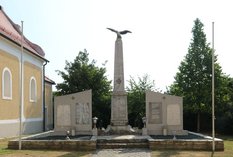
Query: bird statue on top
pixel 119 33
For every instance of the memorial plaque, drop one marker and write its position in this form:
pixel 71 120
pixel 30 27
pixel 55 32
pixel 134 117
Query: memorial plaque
pixel 63 115
pixel 119 109
pixel 155 112
pixel 173 114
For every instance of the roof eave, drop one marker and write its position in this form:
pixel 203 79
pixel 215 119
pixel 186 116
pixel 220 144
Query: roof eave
pixel 37 55
pixel 52 83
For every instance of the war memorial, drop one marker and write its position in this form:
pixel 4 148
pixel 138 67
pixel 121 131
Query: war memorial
pixel 75 126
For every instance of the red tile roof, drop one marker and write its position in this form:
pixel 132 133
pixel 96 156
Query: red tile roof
pixel 11 31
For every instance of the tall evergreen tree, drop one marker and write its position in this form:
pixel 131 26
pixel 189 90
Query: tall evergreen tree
pixel 193 80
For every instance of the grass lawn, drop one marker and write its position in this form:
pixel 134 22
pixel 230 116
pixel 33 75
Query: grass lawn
pixel 228 152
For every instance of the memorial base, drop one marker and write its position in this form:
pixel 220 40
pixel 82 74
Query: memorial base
pixel 94 132
pixel 144 131
pixel 120 130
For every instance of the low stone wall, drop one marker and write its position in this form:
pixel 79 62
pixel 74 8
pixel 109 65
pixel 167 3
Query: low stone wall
pixel 54 145
pixel 91 144
pixel 206 145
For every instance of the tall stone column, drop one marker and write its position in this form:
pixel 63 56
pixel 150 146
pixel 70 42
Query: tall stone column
pixel 119 110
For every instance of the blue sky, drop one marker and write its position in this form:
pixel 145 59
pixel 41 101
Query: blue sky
pixel 160 39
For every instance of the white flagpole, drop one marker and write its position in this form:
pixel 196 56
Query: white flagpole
pixel 21 89
pixel 213 116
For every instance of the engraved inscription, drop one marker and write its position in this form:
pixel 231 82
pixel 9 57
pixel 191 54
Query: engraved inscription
pixel 119 110
pixel 155 112
pixel 63 115
pixel 173 114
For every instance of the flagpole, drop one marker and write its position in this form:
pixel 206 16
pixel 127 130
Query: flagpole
pixel 21 89
pixel 213 116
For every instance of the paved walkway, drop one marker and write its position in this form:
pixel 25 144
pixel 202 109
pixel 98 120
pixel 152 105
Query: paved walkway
pixel 122 152
pixel 134 152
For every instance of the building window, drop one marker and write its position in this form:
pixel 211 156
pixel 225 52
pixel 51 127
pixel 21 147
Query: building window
pixel 32 89
pixel 6 84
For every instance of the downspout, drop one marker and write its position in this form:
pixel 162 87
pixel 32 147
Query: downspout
pixel 44 95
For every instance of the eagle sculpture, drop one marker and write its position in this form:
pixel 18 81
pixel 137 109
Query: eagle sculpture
pixel 119 33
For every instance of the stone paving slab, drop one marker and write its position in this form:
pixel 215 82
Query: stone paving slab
pixel 122 153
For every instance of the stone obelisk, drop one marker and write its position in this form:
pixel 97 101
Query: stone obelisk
pixel 119 109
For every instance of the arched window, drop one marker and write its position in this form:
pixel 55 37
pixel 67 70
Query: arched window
pixel 32 90
pixel 6 84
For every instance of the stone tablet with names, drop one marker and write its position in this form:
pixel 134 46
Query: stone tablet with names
pixel 173 114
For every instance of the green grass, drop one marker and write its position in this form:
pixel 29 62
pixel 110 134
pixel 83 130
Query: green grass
pixel 3 147
pixel 228 152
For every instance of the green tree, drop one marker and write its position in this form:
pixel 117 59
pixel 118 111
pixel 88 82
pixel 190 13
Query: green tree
pixel 193 80
pixel 224 120
pixel 83 75
pixel 136 99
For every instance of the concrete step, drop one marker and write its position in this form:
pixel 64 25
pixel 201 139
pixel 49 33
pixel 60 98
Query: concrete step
pixel 122 140
pixel 122 143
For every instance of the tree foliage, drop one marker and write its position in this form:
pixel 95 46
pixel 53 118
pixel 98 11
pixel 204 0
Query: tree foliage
pixel 136 99
pixel 83 75
pixel 224 120
pixel 193 79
